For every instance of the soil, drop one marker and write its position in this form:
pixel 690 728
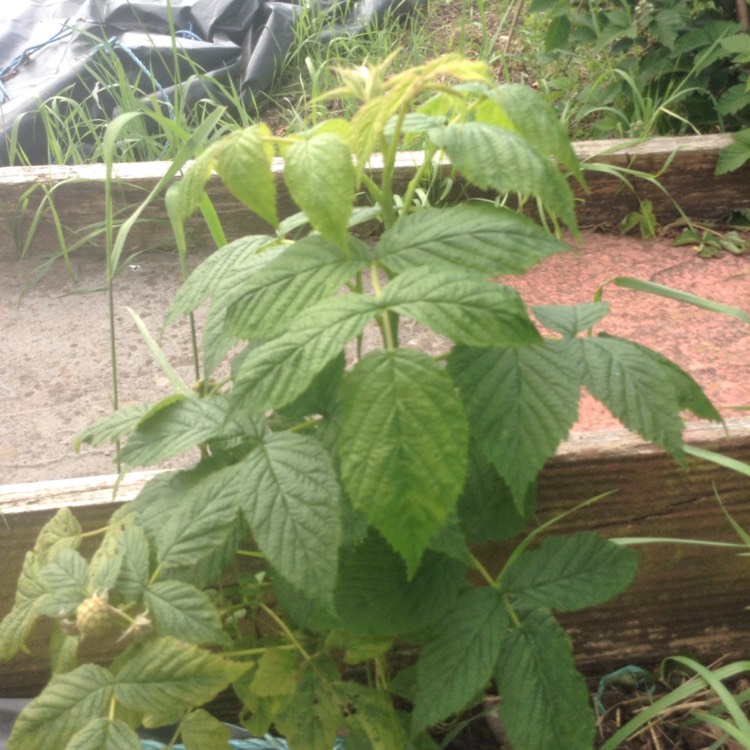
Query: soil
pixel 55 358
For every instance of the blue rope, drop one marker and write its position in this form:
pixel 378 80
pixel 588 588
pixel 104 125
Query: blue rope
pixel 267 743
pixel 188 34
pixel 114 43
pixel 9 70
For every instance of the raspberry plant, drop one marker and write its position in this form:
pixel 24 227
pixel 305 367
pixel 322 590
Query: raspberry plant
pixel 338 492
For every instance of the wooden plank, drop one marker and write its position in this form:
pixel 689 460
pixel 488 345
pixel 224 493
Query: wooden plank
pixel 684 165
pixel 685 598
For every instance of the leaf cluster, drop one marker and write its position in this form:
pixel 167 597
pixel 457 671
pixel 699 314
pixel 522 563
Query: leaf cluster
pixel 339 488
pixel 673 66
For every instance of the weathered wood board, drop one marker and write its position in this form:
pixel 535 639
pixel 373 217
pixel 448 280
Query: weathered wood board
pixel 683 166
pixel 685 598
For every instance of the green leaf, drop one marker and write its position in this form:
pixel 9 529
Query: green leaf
pixel 65 580
pixel 558 34
pixel 275 373
pixel 134 571
pixel 303 274
pixel 455 666
pixel 277 673
pixel 222 273
pixel 471 236
pixel 184 612
pixel 291 501
pixel 491 157
pixel 203 525
pixel 732 157
pixel 643 390
pixel 650 287
pixel 244 164
pixel 570 320
pixel 321 396
pixel 186 195
pixel 403 446
pixel 17 625
pixel 104 571
pixel 179 426
pixel 545 701
pixel 105 734
pixel 521 403
pixel 375 725
pixel 216 341
pixel 535 119
pixel 68 703
pixel 201 731
pixel 320 176
pixel 112 427
pixel 63 651
pixel 61 532
pixel 69 570
pixel 374 595
pixel 468 309
pixel 486 507
pixel 567 573
pixel 312 719
pixel 165 677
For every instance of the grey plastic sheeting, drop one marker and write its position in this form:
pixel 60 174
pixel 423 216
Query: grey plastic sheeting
pixel 48 47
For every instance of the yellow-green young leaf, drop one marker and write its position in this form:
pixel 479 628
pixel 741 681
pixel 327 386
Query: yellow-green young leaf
pixel 403 446
pixel 244 164
pixel 166 677
pixel 374 724
pixel 201 731
pixel 19 622
pixel 105 734
pixel 363 135
pixel 63 651
pixel 312 719
pixel 336 125
pixel 320 176
pixel 185 196
pixel 68 703
pixel 61 532
pixel 358 648
pixel 545 702
pixel 536 120
pixel 277 673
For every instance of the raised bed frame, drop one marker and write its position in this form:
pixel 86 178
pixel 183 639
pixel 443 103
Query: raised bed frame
pixel 685 599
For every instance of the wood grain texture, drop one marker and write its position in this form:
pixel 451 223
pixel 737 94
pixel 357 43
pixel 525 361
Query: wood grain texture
pixel 684 166
pixel 686 599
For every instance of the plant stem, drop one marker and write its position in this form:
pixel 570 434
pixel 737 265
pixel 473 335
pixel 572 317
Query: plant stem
pixel 287 632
